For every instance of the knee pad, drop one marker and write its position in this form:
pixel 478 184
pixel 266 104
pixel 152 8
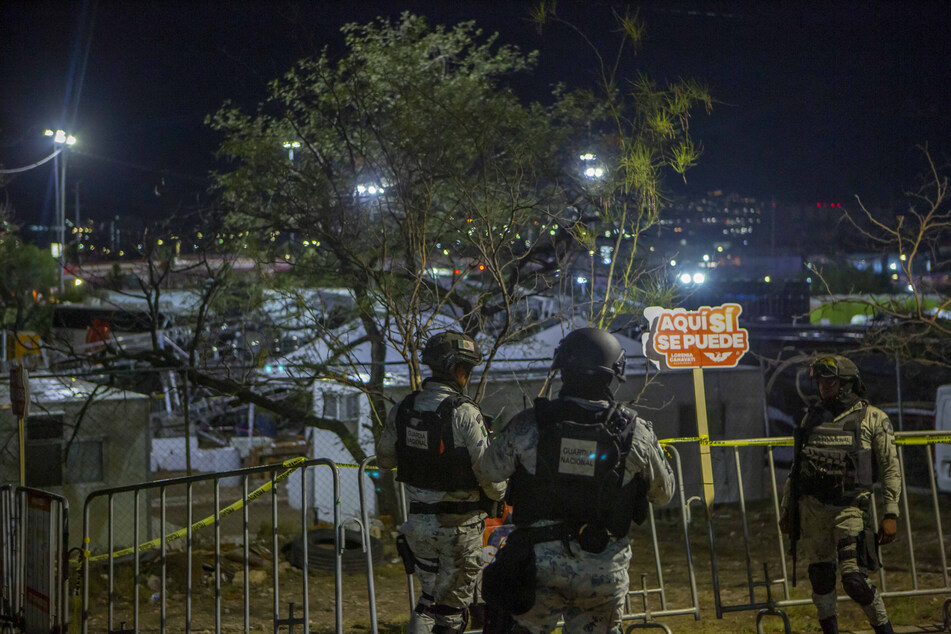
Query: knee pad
pixel 445 610
pixel 856 585
pixel 822 577
pixel 847 548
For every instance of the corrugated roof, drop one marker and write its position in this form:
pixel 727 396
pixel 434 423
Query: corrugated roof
pixel 48 390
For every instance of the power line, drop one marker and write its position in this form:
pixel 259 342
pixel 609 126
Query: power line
pixel 17 170
pixel 151 170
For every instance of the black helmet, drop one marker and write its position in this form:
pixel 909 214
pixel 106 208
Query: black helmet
pixel 590 351
pixel 835 366
pixel 447 349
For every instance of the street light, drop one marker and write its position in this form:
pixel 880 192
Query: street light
pixel 290 146
pixel 61 140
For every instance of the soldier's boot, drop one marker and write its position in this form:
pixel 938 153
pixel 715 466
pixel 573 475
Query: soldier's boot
pixel 884 628
pixel 829 625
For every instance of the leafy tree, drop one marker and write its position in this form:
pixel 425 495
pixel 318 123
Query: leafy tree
pixel 26 276
pixel 416 161
pixel 423 187
pixel 638 135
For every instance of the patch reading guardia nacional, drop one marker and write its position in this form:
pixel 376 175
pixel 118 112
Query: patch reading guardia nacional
pixel 577 456
pixel 417 438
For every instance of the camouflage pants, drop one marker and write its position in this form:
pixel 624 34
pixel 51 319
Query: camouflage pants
pixel 585 589
pixel 448 564
pixel 830 534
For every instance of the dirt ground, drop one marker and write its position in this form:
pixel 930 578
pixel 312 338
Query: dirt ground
pixel 393 604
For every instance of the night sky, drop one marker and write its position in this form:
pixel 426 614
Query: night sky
pixel 817 101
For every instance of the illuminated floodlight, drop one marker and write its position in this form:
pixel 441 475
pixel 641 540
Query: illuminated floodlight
pixel 581 279
pixel 370 190
pixel 77 282
pixel 594 172
pixel 699 278
pixel 706 257
pixel 673 262
pixel 767 279
pixel 587 156
pixel 911 289
pixel 685 278
pixel 893 266
pixel 291 144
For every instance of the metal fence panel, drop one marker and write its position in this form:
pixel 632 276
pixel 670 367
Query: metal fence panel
pixel 33 560
pixel 172 565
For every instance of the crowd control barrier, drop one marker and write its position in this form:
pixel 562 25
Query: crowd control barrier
pixel 102 560
pixel 646 601
pixel 900 574
pixel 34 533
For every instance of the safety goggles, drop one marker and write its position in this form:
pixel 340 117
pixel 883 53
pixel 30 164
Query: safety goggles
pixel 824 368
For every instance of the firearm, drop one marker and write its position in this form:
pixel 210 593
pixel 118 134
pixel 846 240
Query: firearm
pixel 794 492
pixel 642 505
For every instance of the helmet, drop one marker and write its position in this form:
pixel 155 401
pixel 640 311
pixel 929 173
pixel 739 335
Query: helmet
pixel 835 366
pixel 590 351
pixel 447 349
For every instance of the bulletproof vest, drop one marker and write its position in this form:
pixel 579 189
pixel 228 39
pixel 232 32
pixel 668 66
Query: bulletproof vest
pixel 835 468
pixel 579 468
pixel 426 455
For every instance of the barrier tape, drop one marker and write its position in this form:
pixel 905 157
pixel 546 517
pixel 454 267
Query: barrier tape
pixel 930 439
pixel 84 557
pixel 292 463
pixel 924 440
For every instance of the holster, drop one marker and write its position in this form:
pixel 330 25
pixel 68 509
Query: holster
pixel 406 554
pixel 493 508
pixel 865 550
pixel 641 503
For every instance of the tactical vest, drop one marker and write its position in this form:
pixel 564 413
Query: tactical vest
pixel 579 469
pixel 835 468
pixel 426 454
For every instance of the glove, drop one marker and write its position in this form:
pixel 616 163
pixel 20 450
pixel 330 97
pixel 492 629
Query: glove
pixel 888 529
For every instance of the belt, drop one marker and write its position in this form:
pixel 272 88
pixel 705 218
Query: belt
pixel 549 533
pixel 435 508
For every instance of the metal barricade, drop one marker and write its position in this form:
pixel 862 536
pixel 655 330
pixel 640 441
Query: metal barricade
pixel 646 617
pixel 9 520
pixel 33 560
pixel 157 549
pixel 769 605
pixel 367 548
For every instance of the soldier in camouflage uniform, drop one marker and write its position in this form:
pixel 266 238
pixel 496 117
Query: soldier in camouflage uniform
pixel 435 438
pixel 842 442
pixel 581 467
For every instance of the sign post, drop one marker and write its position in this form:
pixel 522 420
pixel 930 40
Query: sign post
pixel 709 337
pixel 20 402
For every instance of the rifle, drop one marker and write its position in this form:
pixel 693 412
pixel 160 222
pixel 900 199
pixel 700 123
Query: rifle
pixel 794 492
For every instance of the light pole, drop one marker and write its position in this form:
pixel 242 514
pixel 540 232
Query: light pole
pixel 290 146
pixel 61 141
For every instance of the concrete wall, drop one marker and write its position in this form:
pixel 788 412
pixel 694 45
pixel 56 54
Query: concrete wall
pixel 121 425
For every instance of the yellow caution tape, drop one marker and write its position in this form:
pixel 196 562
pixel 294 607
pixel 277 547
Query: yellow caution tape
pixel 930 439
pixel 924 440
pixel 293 463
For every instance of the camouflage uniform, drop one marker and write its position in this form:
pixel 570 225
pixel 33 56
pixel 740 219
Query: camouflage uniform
pixel 447 547
pixel 834 532
pixel 586 589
